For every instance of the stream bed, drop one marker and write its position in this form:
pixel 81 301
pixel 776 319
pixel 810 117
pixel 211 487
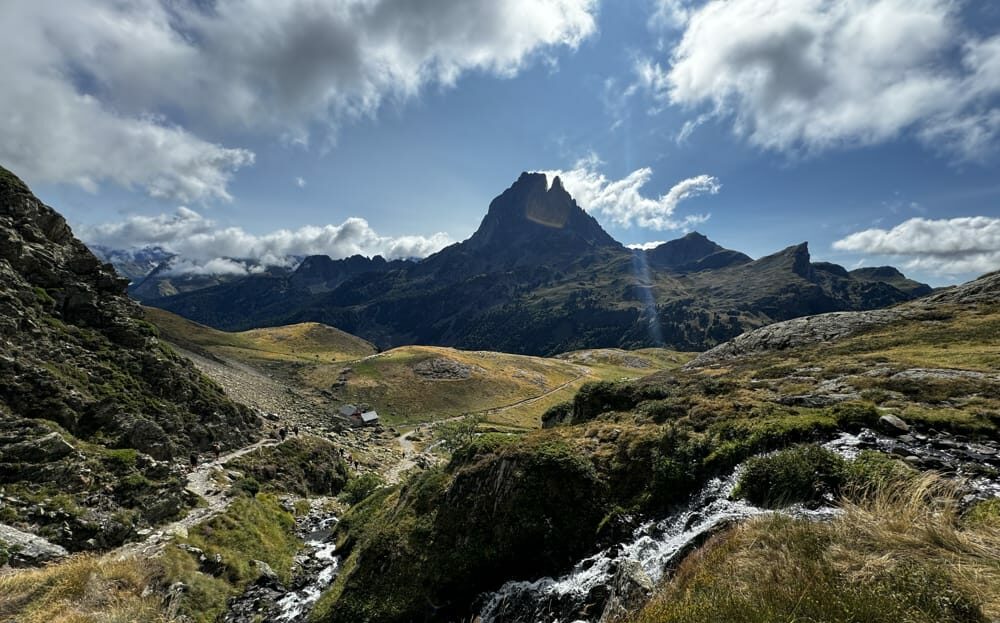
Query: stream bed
pixel 608 583
pixel 612 581
pixel 269 601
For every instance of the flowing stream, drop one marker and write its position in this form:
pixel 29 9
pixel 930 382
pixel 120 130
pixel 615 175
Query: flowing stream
pixel 318 567
pixel 598 586
pixel 269 601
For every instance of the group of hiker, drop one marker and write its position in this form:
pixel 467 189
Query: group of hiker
pixel 283 432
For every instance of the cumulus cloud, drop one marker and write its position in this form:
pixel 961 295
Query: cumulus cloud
pixel 91 86
pixel 803 76
pixel 622 201
pixel 940 246
pixel 645 246
pixel 202 247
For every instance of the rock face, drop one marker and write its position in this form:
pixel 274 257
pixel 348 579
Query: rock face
pixel 833 326
pixel 78 363
pixel 692 253
pixel 540 276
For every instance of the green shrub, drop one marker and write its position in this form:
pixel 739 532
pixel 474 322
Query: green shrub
pixel 304 465
pixel 872 470
pixel 853 416
pixel 360 487
pixel 558 414
pixel 248 486
pixel 984 514
pixel 457 433
pixel 805 474
pixel 665 409
pixel 120 457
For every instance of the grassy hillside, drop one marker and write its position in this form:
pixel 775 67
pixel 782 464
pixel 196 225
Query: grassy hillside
pixel 508 506
pixel 424 383
pixel 306 342
pixel 413 384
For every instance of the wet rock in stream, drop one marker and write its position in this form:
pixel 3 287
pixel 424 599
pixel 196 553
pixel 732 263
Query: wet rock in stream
pixel 619 579
pixel 267 600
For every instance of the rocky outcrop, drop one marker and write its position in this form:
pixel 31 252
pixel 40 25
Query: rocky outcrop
pixel 629 589
pixel 795 333
pixel 26 549
pixel 443 369
pixel 833 326
pixel 92 405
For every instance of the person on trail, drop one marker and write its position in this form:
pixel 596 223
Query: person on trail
pixel 282 433
pixel 194 460
pixel 217 449
pixel 295 430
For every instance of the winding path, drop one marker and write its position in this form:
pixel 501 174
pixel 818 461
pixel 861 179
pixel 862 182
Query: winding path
pixel 395 474
pixel 200 483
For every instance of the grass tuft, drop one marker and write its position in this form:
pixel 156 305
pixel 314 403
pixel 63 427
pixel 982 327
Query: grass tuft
pixel 899 552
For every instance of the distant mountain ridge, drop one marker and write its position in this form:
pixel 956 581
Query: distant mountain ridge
pixel 540 276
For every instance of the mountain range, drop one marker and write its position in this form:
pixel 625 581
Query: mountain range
pixel 541 276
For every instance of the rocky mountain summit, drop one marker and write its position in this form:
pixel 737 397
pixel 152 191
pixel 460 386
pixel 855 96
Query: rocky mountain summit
pixel 93 408
pixel 540 276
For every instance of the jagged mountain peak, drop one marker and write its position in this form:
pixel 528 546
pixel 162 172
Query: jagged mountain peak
pixel 534 210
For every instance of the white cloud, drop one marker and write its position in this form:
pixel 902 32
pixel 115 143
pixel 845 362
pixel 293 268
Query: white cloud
pixel 811 75
pixel 671 13
pixel 300 182
pixel 940 246
pixel 214 266
pixel 622 202
pixel 87 82
pixel 646 246
pixel 203 247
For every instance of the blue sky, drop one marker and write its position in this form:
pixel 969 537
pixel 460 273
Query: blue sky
pixel 867 127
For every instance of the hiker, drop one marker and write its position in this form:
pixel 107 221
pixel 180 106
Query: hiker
pixel 194 460
pixel 295 430
pixel 282 433
pixel 217 449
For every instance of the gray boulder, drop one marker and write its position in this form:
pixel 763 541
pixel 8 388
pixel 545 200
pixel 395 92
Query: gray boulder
pixel 892 425
pixel 26 549
pixel 630 587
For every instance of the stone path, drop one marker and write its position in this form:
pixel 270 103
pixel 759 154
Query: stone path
pixel 200 482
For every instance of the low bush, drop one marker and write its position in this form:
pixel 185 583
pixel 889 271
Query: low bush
pixel 853 416
pixel 360 487
pixel 801 474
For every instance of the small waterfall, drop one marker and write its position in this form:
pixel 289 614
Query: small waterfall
pixel 579 595
pixel 582 595
pixel 320 564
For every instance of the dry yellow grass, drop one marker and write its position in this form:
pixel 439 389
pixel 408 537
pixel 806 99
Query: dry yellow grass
pixel 308 342
pixel 83 589
pixel 510 390
pixel 898 553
